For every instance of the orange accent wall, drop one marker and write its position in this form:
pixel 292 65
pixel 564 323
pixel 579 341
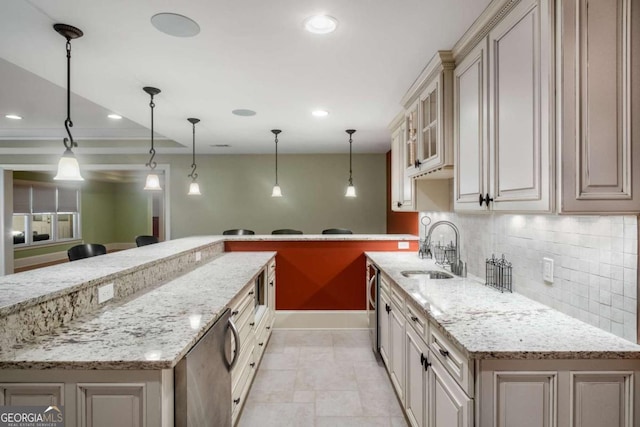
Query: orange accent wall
pixel 320 274
pixel 399 222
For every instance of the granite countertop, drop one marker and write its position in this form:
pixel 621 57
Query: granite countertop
pixel 152 331
pixel 31 287
pixel 488 324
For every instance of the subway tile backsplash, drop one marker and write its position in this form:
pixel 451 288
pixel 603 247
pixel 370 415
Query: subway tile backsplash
pixel 595 260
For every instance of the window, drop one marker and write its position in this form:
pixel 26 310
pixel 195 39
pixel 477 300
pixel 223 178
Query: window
pixel 44 213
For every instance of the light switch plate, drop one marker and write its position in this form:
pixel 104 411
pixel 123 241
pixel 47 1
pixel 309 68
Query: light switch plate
pixel 105 293
pixel 403 245
pixel 198 256
pixel 547 270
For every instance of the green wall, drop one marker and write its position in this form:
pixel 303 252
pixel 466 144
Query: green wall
pixel 132 214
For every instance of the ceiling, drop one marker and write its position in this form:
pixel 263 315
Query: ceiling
pixel 251 54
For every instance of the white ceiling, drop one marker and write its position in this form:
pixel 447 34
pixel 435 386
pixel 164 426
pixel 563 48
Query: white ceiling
pixel 250 54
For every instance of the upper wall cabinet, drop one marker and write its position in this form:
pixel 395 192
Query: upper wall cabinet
pixel 429 121
pixel 503 114
pixel 600 109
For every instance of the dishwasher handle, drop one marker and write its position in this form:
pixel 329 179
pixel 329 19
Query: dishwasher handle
pixel 236 337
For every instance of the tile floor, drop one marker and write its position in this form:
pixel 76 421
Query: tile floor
pixel 318 378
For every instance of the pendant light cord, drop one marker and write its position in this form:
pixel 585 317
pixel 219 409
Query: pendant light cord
pixel 350 168
pixel 69 142
pixel 151 163
pixel 193 175
pixel 276 159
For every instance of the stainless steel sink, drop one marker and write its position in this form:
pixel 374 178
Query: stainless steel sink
pixel 427 274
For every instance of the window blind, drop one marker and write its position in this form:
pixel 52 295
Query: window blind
pixel 44 199
pixel 67 200
pixel 21 199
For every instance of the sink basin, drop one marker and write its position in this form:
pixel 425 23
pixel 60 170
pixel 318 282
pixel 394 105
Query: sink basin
pixel 427 274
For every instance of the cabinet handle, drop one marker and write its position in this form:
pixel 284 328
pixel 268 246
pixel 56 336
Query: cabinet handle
pixel 414 318
pixel 445 353
pixel 236 401
pixel 250 292
pixel 252 324
pixel 417 164
pixel 261 344
pixel 485 199
pixel 399 204
pixel 268 327
pixel 271 283
pixel 387 308
pixel 234 312
pixel 422 359
pixel 252 364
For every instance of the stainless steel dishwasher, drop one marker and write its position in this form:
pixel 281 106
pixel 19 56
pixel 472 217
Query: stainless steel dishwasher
pixel 202 379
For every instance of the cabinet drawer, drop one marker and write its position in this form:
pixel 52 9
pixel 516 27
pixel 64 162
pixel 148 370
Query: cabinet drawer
pixel 416 319
pixel 397 298
pixel 242 308
pixel 244 361
pixel 384 283
pixel 452 359
pixel 241 387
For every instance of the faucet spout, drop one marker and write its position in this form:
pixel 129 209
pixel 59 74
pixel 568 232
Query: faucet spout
pixel 457 266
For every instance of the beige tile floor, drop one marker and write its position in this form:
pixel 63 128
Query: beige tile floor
pixel 321 378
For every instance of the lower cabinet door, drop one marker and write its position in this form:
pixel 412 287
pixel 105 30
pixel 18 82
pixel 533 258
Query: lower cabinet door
pixel 44 394
pixel 416 384
pixel 397 338
pixel 449 406
pixel 107 405
pixel 383 325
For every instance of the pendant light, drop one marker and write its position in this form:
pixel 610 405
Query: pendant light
pixel 152 182
pixel 194 188
pixel 351 190
pixel 68 167
pixel 276 192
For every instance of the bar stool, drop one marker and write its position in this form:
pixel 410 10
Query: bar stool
pixel 337 231
pixel 146 240
pixel 238 232
pixel 286 231
pixel 86 251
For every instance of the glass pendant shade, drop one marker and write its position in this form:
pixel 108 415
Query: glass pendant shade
pixel 194 189
pixel 351 191
pixel 276 192
pixel 153 182
pixel 68 168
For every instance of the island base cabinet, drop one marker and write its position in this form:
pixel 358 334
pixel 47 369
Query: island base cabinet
pixel 107 405
pixel 31 394
pixel 550 393
pixel 416 401
pixel 449 406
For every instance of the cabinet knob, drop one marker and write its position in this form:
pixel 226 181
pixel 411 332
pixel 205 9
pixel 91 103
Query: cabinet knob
pixel 417 163
pixel 445 353
pixel 399 204
pixel 422 358
pixel 261 344
pixel 252 364
pixel 236 401
pixel 251 293
pixel 387 308
pixel 268 327
pixel 252 324
pixel 271 283
pixel 234 312
pixel 414 318
pixel 426 364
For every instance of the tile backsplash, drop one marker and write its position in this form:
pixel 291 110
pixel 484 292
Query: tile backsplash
pixel 595 260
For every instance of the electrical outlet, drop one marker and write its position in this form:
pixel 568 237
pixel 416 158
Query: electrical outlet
pixel 547 270
pixel 105 293
pixel 403 245
pixel 198 256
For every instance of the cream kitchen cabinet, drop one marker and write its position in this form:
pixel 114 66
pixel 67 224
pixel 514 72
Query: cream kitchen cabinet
pixel 396 348
pixel 429 120
pixel 600 104
pixel 383 328
pixel 416 395
pixel 503 97
pixel 449 406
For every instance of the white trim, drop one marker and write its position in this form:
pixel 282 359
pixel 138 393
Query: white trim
pixel 321 319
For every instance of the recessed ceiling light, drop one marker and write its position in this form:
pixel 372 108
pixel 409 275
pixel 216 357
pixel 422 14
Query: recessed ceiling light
pixel 244 112
pixel 13 117
pixel 220 145
pixel 115 116
pixel 320 113
pixel 175 25
pixel 320 24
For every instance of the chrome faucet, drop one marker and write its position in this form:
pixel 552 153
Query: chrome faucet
pixel 458 266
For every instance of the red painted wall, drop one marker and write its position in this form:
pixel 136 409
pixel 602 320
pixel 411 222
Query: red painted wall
pixel 399 222
pixel 319 275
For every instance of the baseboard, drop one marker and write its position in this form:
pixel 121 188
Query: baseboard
pixel 60 256
pixel 321 319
